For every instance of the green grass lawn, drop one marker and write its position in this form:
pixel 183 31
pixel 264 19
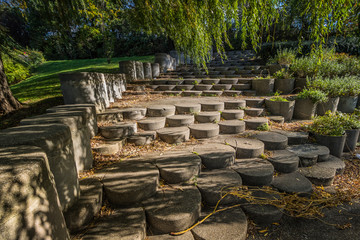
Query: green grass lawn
pixel 45 84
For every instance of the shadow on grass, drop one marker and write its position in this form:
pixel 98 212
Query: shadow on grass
pixel 13 119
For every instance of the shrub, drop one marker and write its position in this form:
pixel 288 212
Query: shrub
pixel 284 56
pixel 14 70
pixel 278 98
pixel 283 74
pixel 336 87
pixel 304 66
pixel 328 125
pixel 313 94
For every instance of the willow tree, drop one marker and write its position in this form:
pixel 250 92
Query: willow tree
pixel 196 27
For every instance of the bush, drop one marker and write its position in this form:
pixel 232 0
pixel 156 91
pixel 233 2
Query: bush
pixel 336 87
pixel 283 74
pixel 15 71
pixel 313 94
pixel 304 66
pixel 284 56
pixel 328 125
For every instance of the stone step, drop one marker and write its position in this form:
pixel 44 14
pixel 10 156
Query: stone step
pixel 272 141
pixel 216 183
pixel 234 104
pixel 178 167
pixel 187 108
pixel 160 110
pixel 173 135
pixel 159 82
pixel 204 130
pixel 292 183
pixel 241 86
pixel 255 102
pixel 210 81
pixel 137 88
pixel 165 87
pixel 190 93
pixel 124 223
pixel 172 93
pixel 175 81
pixel 110 115
pixel 231 81
pixel 221 69
pixel 152 123
pixel 222 87
pixel 212 106
pixel 310 154
pixel 185 236
pixel 214 155
pixel 295 138
pixel 207 117
pixel 180 120
pixel 255 123
pixel 174 209
pixel 189 76
pixel 119 130
pixel 231 127
pixel 232 93
pixel 263 214
pixel 245 80
pixel 133 113
pixel 142 138
pixel 228 224
pixel 203 87
pixel 254 112
pixel 129 182
pixel 254 171
pixel 192 81
pixel 153 87
pixel 284 161
pixel 234 114
pixel 334 163
pixel 184 87
pixel 249 92
pixel 130 93
pixel 319 175
pixel 106 148
pixel 87 206
pixel 277 119
pixel 212 93
pixel 246 147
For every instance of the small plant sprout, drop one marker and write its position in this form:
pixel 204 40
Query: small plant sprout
pixel 264 127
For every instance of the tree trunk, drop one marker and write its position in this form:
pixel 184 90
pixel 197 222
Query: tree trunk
pixel 8 103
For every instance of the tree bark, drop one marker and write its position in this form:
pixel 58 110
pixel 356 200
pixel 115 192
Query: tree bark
pixel 8 102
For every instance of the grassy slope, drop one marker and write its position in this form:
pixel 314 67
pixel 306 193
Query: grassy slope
pixel 45 82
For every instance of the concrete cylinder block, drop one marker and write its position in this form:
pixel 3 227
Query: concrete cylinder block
pixel 129 69
pixel 155 69
pixel 147 70
pixel 139 70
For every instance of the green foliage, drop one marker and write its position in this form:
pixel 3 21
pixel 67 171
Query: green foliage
pixel 336 87
pixel 15 71
pixel 264 127
pixel 328 125
pixel 283 74
pixel 284 56
pixel 313 94
pixel 304 66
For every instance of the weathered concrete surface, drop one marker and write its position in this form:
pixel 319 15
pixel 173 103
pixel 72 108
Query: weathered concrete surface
pixel 29 203
pixel 214 155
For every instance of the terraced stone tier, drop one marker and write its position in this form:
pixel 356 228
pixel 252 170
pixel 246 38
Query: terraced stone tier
pixel 119 130
pixel 185 236
pixel 277 119
pixel 187 108
pixel 319 175
pixel 222 87
pixel 180 120
pixel 231 127
pixel 255 102
pixel 245 80
pixel 234 104
pixel 306 151
pixel 174 134
pixel 246 147
pixel 112 114
pixel 292 183
pixel 242 86
pixel 333 163
pixel 204 130
pixel 216 183
pixel 160 110
pixel 232 93
pixel 142 138
pixel 212 106
pixel 207 117
pixel 178 167
pixel 272 141
pixel 172 93
pixel 254 112
pixel 203 87
pixel 184 87
pixel 231 81
pixel 249 92
pixel 254 171
pixel 220 69
pixel 174 209
pixel 210 81
pixel 263 214
pixel 212 93
pixel 124 223
pixel 133 113
pixel 152 123
pixel 233 114
pixel 295 138
pixel 165 87
pixel 284 161
pixel 215 156
pixel 88 205
pixel 159 81
pixel 255 123
pixel 192 81
pixel 106 148
pixel 129 182
pixel 228 224
pixel 175 81
pixel 191 93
